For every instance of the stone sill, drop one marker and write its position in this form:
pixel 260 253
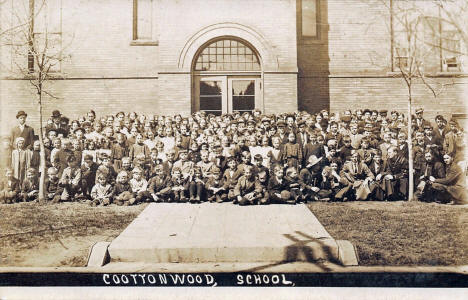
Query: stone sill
pixel 144 43
pixel 437 74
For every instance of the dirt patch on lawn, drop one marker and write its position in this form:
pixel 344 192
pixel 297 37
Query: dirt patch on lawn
pixel 54 235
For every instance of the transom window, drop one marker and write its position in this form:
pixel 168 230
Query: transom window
pixel 227 55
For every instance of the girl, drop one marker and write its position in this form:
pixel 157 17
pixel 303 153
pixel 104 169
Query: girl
pixel 292 152
pixel 20 160
pixel 101 194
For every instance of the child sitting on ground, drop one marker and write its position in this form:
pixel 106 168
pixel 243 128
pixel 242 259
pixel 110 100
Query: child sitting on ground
pixel 178 186
pixel 245 187
pixel 102 192
pixel 196 185
pixel 30 186
pixel 139 186
pixel 9 188
pixel 52 188
pixel 215 186
pixel 122 190
pixel 159 185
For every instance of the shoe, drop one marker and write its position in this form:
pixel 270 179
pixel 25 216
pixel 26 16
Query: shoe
pixel 218 199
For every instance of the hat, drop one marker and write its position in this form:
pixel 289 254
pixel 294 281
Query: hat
pixel 182 151
pixel 346 119
pixel 258 156
pixel 301 123
pixel 240 120
pixel 313 160
pixel 427 126
pixel 281 123
pixel 419 110
pixel 265 119
pixel 366 111
pixel 56 114
pixel 21 113
pixel 79 129
pixel 383 111
pixel 250 122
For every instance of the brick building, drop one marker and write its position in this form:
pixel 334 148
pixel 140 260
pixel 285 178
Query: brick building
pixel 181 56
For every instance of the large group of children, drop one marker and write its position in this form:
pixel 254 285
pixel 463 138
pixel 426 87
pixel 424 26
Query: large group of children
pixel 244 158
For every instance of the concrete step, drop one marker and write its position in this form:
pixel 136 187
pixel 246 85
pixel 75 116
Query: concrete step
pixel 208 232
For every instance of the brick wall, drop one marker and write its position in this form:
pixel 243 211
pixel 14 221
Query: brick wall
pixel 280 93
pixel 76 97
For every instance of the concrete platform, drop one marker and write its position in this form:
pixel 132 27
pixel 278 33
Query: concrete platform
pixel 227 233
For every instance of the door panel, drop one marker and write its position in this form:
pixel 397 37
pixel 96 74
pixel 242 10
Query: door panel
pixel 225 94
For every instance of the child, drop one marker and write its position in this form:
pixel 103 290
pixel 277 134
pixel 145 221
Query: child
pixel 139 186
pixel 296 185
pixel 159 185
pixel 126 166
pixel 9 188
pixel 196 185
pixel 77 150
pixel 246 161
pixel 183 164
pixel 245 187
pixel 20 160
pixel 215 186
pixel 258 164
pixel 275 154
pixel 119 150
pixel 139 148
pixel 36 156
pixel 261 189
pixel 278 187
pixel 141 162
pixel 178 186
pixel 52 188
pixel 88 175
pixel 90 149
pixel 102 192
pixel 329 184
pixel 292 152
pixel 122 190
pixel 71 179
pixel 230 178
pixel 30 186
pixel 107 164
pixel 205 164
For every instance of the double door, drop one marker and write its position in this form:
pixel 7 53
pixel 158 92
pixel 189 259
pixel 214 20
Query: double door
pixel 226 94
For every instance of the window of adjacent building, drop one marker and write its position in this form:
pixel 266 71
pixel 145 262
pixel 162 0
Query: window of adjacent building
pixel 451 51
pixel 46 34
pixel 309 19
pixel 143 20
pixel 227 55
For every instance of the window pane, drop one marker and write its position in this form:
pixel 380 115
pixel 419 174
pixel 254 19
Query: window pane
pixel 243 87
pixel 210 103
pixel 210 88
pixel 243 103
pixel 309 18
pixel 144 19
pixel 228 55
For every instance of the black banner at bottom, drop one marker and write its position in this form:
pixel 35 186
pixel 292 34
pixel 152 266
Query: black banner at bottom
pixel 361 279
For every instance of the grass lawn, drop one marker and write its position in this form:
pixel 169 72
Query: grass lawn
pixel 384 233
pixel 399 233
pixel 57 234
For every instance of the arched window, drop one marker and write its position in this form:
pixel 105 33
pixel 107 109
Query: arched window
pixel 227 55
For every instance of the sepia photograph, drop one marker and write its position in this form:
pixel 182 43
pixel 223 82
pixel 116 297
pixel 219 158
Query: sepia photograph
pixel 233 143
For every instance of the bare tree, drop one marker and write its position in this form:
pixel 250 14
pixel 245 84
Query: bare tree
pixel 33 39
pixel 419 31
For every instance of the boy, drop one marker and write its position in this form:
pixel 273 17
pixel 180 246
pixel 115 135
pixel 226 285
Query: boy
pixel 205 164
pixel 230 178
pixel 122 190
pixel 245 187
pixel 215 186
pixel 196 185
pixel 261 188
pixel 88 175
pixel 52 188
pixel 183 164
pixel 71 179
pixel 30 186
pixel 159 185
pixel 101 194
pixel 258 164
pixel 119 150
pixel 139 186
pixel 9 188
pixel 178 186
pixel 278 187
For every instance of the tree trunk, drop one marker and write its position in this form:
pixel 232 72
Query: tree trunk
pixel 410 149
pixel 42 165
